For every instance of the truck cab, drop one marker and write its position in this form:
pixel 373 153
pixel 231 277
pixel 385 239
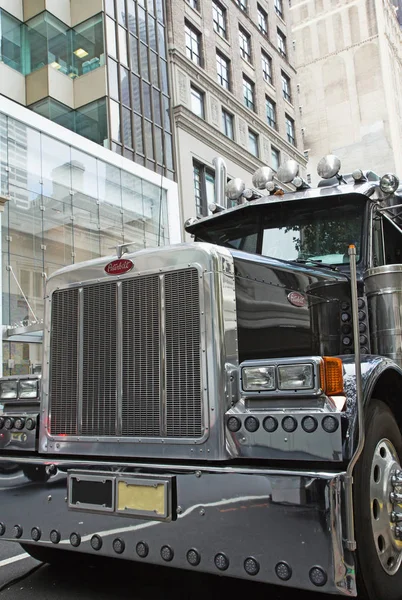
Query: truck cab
pixel 230 404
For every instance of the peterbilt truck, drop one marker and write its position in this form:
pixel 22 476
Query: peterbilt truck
pixel 232 404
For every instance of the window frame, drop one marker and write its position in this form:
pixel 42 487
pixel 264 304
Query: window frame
pixel 225 120
pixel 275 152
pixel 194 4
pixel 201 199
pixel 262 20
pixel 243 5
pixel 266 59
pixel 282 44
pixel 290 130
pixel 246 101
pixel 252 135
pixel 223 62
pixel 278 6
pixel 192 35
pixel 193 91
pixel 271 120
pixel 245 45
pixel 218 27
pixel 286 87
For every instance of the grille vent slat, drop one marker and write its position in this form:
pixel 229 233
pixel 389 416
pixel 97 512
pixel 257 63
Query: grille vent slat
pixel 63 350
pixel 183 361
pixel 99 382
pixel 141 368
pixel 146 409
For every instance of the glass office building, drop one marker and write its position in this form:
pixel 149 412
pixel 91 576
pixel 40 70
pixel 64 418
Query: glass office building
pixel 68 200
pixel 116 58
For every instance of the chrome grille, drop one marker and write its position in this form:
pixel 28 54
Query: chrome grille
pixel 63 388
pixel 183 347
pixel 141 357
pixel 99 359
pixel 129 355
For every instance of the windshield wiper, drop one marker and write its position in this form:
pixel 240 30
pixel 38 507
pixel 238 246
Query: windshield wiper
pixel 319 263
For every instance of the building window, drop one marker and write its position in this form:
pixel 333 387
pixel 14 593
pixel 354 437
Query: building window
pixel 275 158
pixel 248 93
pixel 308 178
pixel 278 8
pixel 271 112
pixel 262 20
pixel 223 70
pixel 193 4
pixel 197 102
pixel 306 154
pixel 281 43
pixel 266 62
pixel 204 188
pixel 219 17
pixel 193 44
pixel 245 44
pixel 290 130
pixel 286 87
pixel 253 142
pixel 227 122
pixel 242 4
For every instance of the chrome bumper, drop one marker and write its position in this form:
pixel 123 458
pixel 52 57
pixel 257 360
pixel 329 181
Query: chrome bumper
pixel 287 522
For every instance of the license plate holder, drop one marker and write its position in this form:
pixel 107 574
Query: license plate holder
pixel 143 496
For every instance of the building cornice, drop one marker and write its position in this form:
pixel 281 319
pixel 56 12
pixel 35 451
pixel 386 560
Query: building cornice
pixel 231 102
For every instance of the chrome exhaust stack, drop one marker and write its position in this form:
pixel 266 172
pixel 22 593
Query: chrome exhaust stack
pixel 220 181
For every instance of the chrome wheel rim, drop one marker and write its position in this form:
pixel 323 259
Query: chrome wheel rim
pixel 386 506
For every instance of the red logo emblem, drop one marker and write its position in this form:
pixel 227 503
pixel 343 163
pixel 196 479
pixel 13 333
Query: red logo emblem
pixel 297 299
pixel 120 266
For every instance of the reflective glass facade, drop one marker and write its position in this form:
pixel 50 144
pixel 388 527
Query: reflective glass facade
pixel 44 40
pixel 139 106
pixel 65 205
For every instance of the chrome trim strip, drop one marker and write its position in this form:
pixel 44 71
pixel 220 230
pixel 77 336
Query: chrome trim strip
pixel 80 354
pixel 119 361
pixel 162 356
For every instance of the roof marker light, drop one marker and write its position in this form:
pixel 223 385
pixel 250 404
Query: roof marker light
pixel 389 183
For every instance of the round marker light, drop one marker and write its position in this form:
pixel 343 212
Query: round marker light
pixel 289 424
pixel 17 531
pixel 330 424
pixel 251 424
pixel 357 175
pixel 346 341
pixel 318 576
pixel 234 424
pixel 345 305
pixel 30 424
pixel 362 315
pixel 55 536
pixel 19 423
pixel 119 546
pixel 389 183
pixel 309 424
pixel 346 328
pixel 345 317
pixel 298 182
pixel 9 423
pixel 270 186
pixel 36 534
pixel 167 553
pixel 363 339
pixel 193 557
pixel 283 571
pixel 142 549
pixel 361 303
pixel 2 529
pixel 75 539
pixel 96 542
pixel 270 424
pixel 362 327
pixel 251 566
pixel 221 561
pixel 364 350
pixel 248 194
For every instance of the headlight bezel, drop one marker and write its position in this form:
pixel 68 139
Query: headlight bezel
pixel 313 362
pixel 20 395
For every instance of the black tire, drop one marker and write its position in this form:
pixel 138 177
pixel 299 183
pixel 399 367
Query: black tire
pixel 373 582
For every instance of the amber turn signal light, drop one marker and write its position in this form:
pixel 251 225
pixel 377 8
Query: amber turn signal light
pixel 332 376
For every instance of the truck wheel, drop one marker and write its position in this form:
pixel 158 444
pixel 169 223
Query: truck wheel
pixel 379 549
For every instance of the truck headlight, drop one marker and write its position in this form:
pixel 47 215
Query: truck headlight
pixel 258 378
pixel 8 389
pixel 28 388
pixel 296 377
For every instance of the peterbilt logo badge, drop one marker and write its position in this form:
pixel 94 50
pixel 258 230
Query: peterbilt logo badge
pixel 120 266
pixel 297 299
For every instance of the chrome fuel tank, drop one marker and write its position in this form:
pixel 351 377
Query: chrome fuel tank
pixel 384 292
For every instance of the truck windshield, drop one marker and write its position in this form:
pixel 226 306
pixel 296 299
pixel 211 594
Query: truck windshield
pixel 303 231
